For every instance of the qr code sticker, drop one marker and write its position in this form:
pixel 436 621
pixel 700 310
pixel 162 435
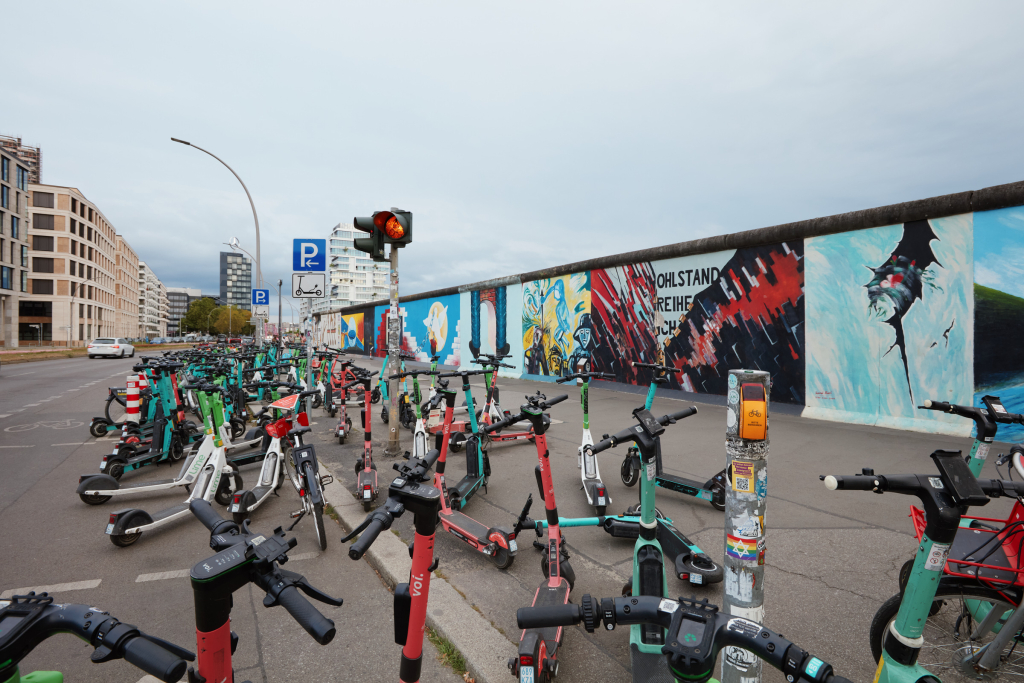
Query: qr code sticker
pixel 743 484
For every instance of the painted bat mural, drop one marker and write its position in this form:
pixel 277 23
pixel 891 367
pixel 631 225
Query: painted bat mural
pixel 899 282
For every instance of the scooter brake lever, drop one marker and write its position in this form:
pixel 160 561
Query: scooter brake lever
pixel 302 584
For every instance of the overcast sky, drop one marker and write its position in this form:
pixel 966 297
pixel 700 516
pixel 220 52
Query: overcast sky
pixel 521 135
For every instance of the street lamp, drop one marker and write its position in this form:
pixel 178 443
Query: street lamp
pixel 259 271
pixel 40 327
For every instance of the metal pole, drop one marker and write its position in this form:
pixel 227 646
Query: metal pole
pixel 280 338
pixel 256 218
pixel 746 456
pixel 394 447
pixel 309 368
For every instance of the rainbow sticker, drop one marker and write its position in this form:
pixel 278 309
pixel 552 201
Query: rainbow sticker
pixel 741 548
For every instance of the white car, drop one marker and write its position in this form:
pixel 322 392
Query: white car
pixel 108 346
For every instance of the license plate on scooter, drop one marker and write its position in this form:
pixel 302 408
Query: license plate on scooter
pixel 526 674
pixel 110 529
pixel 513 546
pixel 366 494
pixel 103 465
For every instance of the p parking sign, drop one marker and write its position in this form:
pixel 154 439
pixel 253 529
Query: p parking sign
pixel 261 297
pixel 309 255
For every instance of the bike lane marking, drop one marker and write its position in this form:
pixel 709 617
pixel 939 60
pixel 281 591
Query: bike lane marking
pixel 17 446
pixel 55 588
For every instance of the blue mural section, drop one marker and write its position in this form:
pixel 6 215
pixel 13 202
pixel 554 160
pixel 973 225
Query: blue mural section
pixel 889 314
pixel 999 312
pixel 429 327
pixel 491 323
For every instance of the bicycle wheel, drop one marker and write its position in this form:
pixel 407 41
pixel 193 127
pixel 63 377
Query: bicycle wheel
pixel 318 518
pixel 956 612
pixel 116 408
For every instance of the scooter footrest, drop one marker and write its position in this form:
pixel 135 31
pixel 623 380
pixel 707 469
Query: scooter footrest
pixel 326 479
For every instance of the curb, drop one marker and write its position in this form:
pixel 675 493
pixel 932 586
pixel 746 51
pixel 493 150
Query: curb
pixel 485 649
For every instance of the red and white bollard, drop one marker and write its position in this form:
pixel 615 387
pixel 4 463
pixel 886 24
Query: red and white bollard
pixel 132 403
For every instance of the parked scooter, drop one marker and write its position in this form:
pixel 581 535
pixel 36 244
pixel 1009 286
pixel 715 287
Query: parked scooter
pixel 590 473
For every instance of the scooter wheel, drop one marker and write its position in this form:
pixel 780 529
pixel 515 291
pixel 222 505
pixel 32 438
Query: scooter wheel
pixel 456 442
pixel 367 505
pixel 629 472
pixel 627 589
pixel 115 469
pixel 177 451
pixel 124 540
pixel 717 496
pixel 341 438
pixel 503 558
pixel 94 499
pixel 384 415
pixel 317 401
pixel 224 491
pixel 359 465
pixel 905 570
pixel 602 510
pixel 98 429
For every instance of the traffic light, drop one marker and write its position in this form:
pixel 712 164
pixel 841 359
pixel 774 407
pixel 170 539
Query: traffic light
pixel 374 244
pixel 395 224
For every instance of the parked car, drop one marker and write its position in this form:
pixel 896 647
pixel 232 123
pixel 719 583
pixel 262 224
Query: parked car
pixel 248 341
pixel 109 346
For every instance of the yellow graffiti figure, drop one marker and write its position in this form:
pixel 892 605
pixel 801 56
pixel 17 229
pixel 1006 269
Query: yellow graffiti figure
pixel 437 326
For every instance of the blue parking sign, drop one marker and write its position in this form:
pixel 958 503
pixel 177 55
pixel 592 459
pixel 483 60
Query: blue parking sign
pixel 261 297
pixel 309 255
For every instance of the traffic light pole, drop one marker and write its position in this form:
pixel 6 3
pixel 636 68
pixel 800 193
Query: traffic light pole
pixel 394 447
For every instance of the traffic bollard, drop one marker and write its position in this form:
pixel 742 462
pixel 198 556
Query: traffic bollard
pixel 746 455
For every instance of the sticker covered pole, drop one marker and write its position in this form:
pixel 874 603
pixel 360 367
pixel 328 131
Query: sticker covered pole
pixel 394 340
pixel 746 457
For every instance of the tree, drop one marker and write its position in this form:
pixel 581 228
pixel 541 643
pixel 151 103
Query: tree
pixel 232 320
pixel 198 318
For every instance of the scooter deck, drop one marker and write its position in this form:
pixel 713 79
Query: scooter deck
pixel 169 512
pixel 649 666
pixel 468 484
pixel 683 485
pixel 546 597
pixel 144 484
pixel 465 524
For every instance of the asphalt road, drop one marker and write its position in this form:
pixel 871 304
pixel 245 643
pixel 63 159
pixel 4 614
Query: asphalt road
pixel 832 557
pixel 52 539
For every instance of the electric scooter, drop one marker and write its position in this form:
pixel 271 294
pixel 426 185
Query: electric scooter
pixel 497 543
pixel 419 439
pixel 713 490
pixel 366 469
pixel 646 640
pixel 590 473
pixel 125 527
pixel 245 557
pixel 492 411
pixel 478 466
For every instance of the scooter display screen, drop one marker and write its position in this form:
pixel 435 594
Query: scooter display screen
pixel 959 478
pixel 691 630
pixel 649 423
pixel 222 562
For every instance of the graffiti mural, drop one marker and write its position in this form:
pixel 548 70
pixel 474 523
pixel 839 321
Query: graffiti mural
pixel 888 313
pixel 747 312
pixel 490 324
pixel 429 327
pixel 556 329
pixel 624 309
pixel 999 311
pixel 350 332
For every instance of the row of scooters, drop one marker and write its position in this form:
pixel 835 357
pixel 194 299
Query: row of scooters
pixel 970 594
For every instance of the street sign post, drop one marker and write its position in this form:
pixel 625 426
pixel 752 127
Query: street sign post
pixel 309 255
pixel 309 285
pixel 261 297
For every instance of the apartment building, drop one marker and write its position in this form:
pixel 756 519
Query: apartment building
pixel 14 224
pixel 71 296
pixel 126 289
pixel 178 301
pixel 153 304
pixel 235 280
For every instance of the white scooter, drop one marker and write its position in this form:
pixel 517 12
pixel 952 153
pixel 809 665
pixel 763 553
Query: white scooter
pixel 586 460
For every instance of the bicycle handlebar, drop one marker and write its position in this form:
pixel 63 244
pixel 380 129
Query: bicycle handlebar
pixel 461 373
pixel 492 362
pixel 697 632
pixel 412 373
pixel 655 366
pixel 518 417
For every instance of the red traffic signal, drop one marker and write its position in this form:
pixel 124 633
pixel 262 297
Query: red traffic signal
pixel 395 224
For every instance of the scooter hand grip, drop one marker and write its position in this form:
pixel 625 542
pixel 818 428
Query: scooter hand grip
pixel 309 617
pixel 936 405
pixel 557 399
pixel 549 615
pixel 860 482
pixel 692 410
pixel 365 540
pixel 205 513
pixel 154 659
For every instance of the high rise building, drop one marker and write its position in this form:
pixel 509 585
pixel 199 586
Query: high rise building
pixel 71 295
pixel 30 157
pixel 178 301
pixel 152 304
pixel 235 280
pixel 14 223
pixel 354 277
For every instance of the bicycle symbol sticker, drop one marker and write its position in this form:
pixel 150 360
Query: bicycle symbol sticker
pixel 51 424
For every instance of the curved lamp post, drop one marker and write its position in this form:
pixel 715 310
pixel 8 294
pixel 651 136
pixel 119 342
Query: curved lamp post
pixel 259 271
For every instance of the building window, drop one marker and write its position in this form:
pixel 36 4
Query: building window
pixel 42 243
pixel 43 200
pixel 15 229
pixel 5 169
pixel 42 286
pixel 5 277
pixel 24 278
pixel 5 197
pixel 42 265
pixel 43 221
pixel 22 179
pixel 24 256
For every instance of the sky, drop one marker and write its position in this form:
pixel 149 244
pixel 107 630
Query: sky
pixel 521 135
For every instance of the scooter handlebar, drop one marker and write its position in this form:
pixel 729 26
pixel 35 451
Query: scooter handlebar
pixel 154 659
pixel 379 520
pixel 208 517
pixel 308 617
pixel 655 366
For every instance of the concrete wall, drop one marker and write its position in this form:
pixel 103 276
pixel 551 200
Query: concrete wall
pixel 858 317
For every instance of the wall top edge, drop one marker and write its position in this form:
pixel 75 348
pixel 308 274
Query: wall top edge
pixel 985 199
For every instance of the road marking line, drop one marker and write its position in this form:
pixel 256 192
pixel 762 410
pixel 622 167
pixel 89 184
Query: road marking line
pixel 73 443
pixel 160 576
pixel 16 446
pixel 303 556
pixel 55 588
pixel 7 415
pixel 30 405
